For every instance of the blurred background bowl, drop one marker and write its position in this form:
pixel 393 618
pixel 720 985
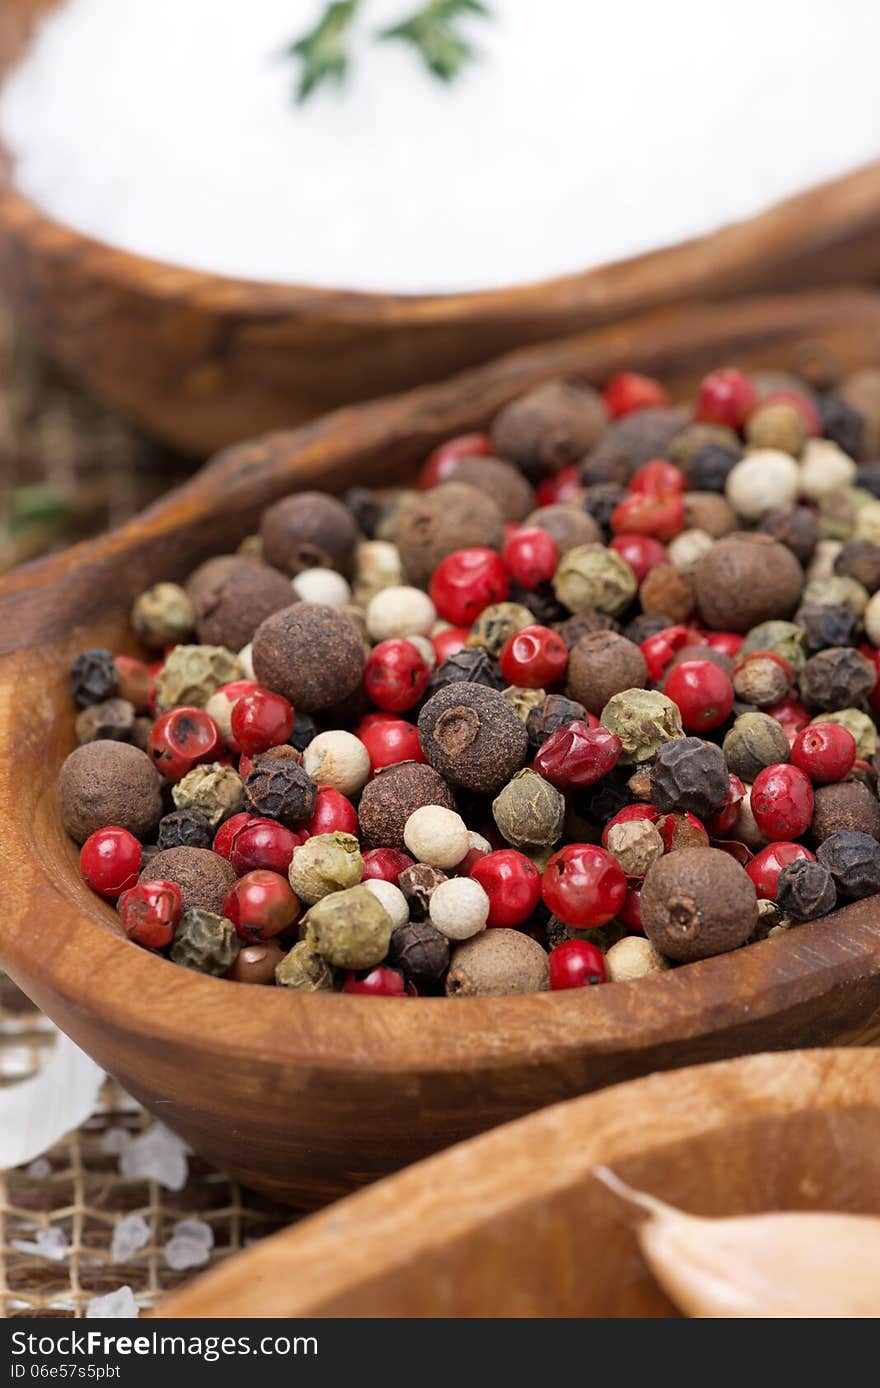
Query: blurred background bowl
pixel 202 361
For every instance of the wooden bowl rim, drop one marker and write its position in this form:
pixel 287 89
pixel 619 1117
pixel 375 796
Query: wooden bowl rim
pixel 212 1015
pixel 533 1158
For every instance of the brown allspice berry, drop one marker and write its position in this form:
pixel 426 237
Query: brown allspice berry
pixel 421 953
pixel 602 665
pixel 795 527
pixel 568 524
pixel 646 624
pixel 512 493
pixel 760 680
pixel 256 963
pixel 705 653
pixel 498 961
pixel 667 589
pixel 744 579
pixel 778 425
pixel 310 653
pixel 844 805
pixel 697 902
pixel 472 737
pixel 109 783
pixel 309 530
pixel 860 559
pixel 203 877
pixel 549 426
pixel 228 612
pixel 710 512
pixel 388 800
pixel 437 522
pixel 629 442
pixel 212 574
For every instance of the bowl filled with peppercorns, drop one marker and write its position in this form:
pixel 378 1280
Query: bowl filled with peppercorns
pixel 468 750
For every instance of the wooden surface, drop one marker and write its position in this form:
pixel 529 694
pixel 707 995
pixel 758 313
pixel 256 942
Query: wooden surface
pixel 309 1096
pixel 517 1224
pixel 203 361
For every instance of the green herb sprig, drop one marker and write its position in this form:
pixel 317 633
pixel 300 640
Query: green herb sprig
pixel 323 51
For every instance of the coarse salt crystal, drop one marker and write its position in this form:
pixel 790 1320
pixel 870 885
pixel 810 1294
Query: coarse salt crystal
pixel 117 1305
pixel 157 1155
pixel 130 1235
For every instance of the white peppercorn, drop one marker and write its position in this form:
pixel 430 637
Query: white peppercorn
pixel 764 481
pixel 338 759
pixel 391 897
pixel 322 585
pixel 633 957
pixel 825 468
pixel 459 908
pixel 400 611
pixel 436 836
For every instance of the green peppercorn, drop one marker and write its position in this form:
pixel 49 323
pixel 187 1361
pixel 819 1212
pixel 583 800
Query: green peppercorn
pixel 162 616
pixel 350 929
pixel 591 576
pixel 756 740
pixel 837 591
pixel 785 638
pixel 497 623
pixel 191 674
pixel 602 936
pixel 529 810
pixel 205 942
pixel 304 970
pixel 216 791
pixel 644 720
pixel 325 863
pixel 522 701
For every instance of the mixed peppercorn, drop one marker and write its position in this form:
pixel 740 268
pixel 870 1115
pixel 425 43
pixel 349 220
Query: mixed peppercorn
pixel 596 698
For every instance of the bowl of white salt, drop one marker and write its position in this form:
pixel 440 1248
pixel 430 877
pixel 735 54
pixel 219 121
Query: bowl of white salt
pixel 226 219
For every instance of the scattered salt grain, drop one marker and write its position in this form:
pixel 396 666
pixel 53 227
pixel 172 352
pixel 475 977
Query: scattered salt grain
pixel 130 1235
pixel 190 1244
pixel 157 1155
pixel 118 1305
pixel 114 1141
pixel 51 1243
pixel 40 1169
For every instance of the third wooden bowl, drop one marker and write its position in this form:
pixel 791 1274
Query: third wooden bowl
pixel 516 1223
pixel 203 361
pixel 308 1096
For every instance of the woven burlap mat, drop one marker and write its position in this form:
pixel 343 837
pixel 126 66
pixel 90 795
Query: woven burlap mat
pixel 70 468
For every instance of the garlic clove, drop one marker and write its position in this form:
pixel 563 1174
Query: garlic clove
pixel 790 1265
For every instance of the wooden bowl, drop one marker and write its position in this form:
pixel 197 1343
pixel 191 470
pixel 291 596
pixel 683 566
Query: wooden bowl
pixel 516 1223
pixel 203 361
pixel 307 1096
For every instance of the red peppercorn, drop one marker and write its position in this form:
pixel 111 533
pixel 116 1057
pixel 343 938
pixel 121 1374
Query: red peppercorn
pixel 441 464
pixel 641 552
pixel 447 643
pixel 261 843
pixel 150 911
pixel 260 720
pixel 726 397
pixel 380 982
pixel 512 884
pixel 577 755
pixel 682 830
pixel 782 802
pixel 648 514
pixel 225 835
pixel 722 821
pixel 825 751
pixel 659 649
pixel 583 885
pixel 136 681
pixel 765 867
pixel 658 478
pixel 530 556
pixel 628 391
pixel 229 693
pixel 386 864
pixel 630 913
pixel 181 739
pixel 110 861
pixel 702 692
pixel 334 813
pixel 727 642
pixel 562 486
pixel 260 904
pixel 534 658
pixel 790 713
pixel 576 964
pixel 469 861
pixel 391 741
pixel 465 582
pixel 396 675
pixel 628 813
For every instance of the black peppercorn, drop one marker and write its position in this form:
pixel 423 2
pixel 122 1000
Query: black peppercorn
pixel 550 715
pixel 470 666
pixel 421 953
pixel 709 466
pixel 824 626
pixel 280 789
pixel 795 527
pixel 690 774
pixel 114 719
pixel 868 478
pixel 185 829
pixel 601 500
pixel 840 677
pixel 93 677
pixel 473 737
pixel 647 624
pixel 584 624
pixel 541 602
pixel 841 422
pixel 602 801
pixel 417 883
pixel 304 729
pixel 806 891
pixel 860 559
pixel 365 508
pixel 853 860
